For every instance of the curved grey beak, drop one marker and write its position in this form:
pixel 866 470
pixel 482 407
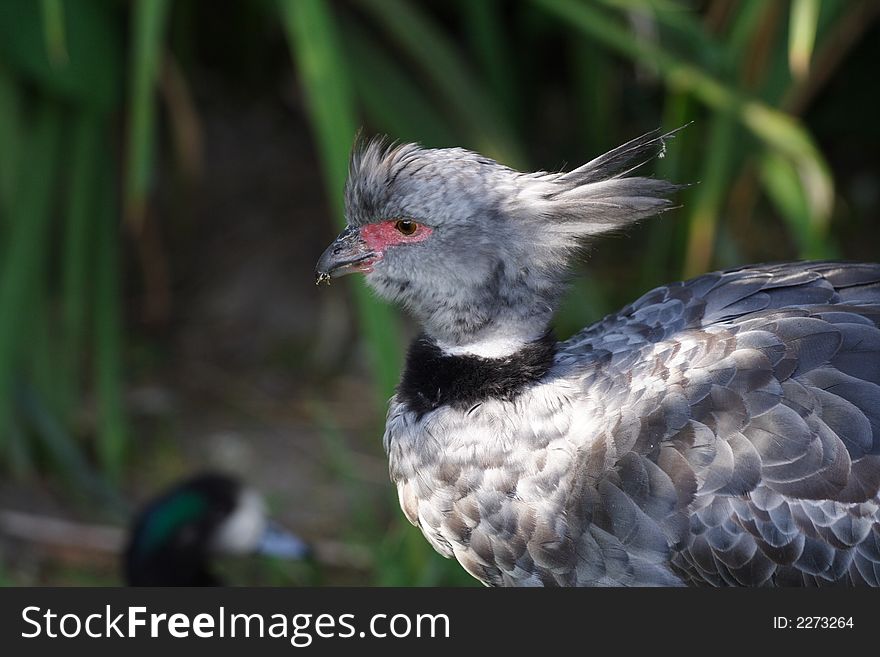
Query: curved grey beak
pixel 348 254
pixel 278 542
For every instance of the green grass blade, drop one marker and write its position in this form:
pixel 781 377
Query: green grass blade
pixel 24 253
pixel 148 19
pixel 62 449
pixel 840 26
pixel 683 27
pixel 710 194
pixel 90 74
pixel 749 13
pixel 54 31
pixel 338 459
pixel 112 441
pixel 678 111
pixel 18 450
pixel 43 348
pixel 783 186
pixel 77 254
pixel 781 132
pixel 722 154
pixel 314 42
pixel 484 25
pixel 790 139
pixel 392 102
pixel 593 72
pixel 429 49
pixel 10 141
pixel 803 21
pixel 661 260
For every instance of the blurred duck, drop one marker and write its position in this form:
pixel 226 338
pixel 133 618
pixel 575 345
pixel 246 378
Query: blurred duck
pixel 173 538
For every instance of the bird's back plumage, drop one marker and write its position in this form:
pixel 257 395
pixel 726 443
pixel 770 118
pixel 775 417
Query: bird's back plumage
pixel 755 391
pixel 723 430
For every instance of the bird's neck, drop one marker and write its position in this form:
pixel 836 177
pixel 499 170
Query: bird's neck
pixel 493 343
pixel 490 327
pixel 490 310
pixel 433 377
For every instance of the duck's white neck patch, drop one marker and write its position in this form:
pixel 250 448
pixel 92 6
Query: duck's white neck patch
pixel 497 345
pixel 241 531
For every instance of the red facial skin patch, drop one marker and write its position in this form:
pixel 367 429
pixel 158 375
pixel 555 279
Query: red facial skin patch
pixel 380 236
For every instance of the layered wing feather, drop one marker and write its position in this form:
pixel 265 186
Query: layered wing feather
pixel 740 414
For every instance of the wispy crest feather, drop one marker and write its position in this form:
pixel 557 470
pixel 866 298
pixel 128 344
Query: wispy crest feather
pixel 599 196
pixel 372 168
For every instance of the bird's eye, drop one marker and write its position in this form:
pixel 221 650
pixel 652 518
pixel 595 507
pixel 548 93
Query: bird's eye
pixel 405 226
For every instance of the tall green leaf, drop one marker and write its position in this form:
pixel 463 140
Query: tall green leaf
pixel 313 37
pixel 392 101
pixel 783 186
pixel 11 128
pixel 782 132
pixel 112 444
pixel 61 448
pixel 802 35
pixel 593 71
pixel 721 150
pixel 25 253
pixel 55 31
pixel 662 260
pixel 710 194
pixel 430 49
pixel 484 24
pixel 84 187
pixel 92 72
pixel 148 19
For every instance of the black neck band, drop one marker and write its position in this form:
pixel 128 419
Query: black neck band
pixel 432 378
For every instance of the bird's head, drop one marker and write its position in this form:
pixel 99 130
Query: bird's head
pixel 477 251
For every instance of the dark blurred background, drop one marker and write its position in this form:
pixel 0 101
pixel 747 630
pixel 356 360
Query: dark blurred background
pixel 170 172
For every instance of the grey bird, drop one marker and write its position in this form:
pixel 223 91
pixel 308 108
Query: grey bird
pixel 720 431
